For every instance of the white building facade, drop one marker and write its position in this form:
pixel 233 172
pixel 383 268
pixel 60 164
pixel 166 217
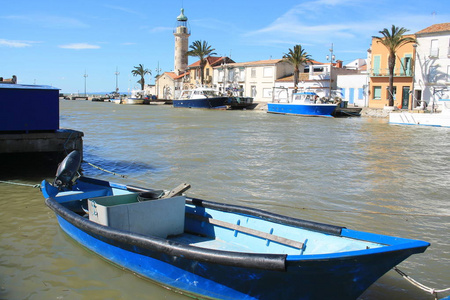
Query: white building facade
pixel 354 89
pixel 254 79
pixel 432 65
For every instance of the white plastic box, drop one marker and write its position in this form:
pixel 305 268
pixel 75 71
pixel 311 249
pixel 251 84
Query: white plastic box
pixel 161 217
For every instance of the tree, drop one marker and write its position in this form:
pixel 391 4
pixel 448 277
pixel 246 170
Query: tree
pixel 297 57
pixel 140 71
pixel 201 50
pixel 393 40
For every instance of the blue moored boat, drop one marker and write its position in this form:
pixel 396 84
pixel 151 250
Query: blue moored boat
pixel 303 104
pixel 201 97
pixel 219 250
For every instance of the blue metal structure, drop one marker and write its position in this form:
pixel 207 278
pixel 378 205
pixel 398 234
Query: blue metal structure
pixel 29 107
pixel 234 252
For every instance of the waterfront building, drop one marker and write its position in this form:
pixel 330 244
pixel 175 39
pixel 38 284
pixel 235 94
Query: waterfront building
pixel 354 86
pixel 193 78
pixel 254 79
pixel 168 84
pixel 379 75
pixel 317 78
pixel 432 65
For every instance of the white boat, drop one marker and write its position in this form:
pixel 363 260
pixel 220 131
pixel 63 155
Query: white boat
pixel 132 101
pixel 115 101
pixel 201 97
pixel 439 119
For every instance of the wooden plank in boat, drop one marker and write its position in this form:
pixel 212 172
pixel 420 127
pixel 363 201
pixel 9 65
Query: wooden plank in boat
pixel 254 232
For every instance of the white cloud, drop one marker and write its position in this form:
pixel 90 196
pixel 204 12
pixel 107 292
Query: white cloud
pixel 16 43
pixel 48 21
pixel 160 29
pixel 79 46
pixel 125 9
pixel 342 21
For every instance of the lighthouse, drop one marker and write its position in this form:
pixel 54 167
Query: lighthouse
pixel 181 34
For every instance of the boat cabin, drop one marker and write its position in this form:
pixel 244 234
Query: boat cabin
pixel 199 93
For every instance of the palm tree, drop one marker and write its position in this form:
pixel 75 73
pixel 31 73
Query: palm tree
pixel 140 71
pixel 393 40
pixel 201 50
pixel 297 57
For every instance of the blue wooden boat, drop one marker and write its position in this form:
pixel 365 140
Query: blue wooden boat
pixel 201 97
pixel 303 104
pixel 217 250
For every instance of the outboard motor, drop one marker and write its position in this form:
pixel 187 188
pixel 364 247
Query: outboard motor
pixel 67 172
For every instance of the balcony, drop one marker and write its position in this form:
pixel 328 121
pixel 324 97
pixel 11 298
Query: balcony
pixel 398 72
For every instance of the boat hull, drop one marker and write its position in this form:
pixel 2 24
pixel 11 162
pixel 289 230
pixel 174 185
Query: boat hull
pixel 240 102
pixel 211 103
pixel 236 275
pixel 132 101
pixel 310 110
pixel 424 119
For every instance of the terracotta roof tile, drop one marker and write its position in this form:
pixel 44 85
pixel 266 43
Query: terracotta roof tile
pixel 212 60
pixel 435 28
pixel 174 76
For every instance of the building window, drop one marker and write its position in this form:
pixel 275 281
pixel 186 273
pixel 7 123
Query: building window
pixel 268 72
pixel 377 92
pixel 253 73
pixel 241 74
pixel 406 65
pixel 253 91
pixel 360 93
pixel 432 74
pixel 231 75
pixel 376 65
pixel 434 49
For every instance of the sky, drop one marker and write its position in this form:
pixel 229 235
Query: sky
pixel 56 42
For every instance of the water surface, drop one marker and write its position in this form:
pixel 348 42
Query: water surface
pixel 360 173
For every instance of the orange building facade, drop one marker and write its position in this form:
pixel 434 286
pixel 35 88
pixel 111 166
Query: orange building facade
pixel 379 75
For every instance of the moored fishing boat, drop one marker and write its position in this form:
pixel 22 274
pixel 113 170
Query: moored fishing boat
pixel 132 101
pixel 436 119
pixel 219 250
pixel 201 97
pixel 238 102
pixel 302 104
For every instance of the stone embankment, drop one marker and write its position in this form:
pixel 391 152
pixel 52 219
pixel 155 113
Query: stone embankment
pixel 374 113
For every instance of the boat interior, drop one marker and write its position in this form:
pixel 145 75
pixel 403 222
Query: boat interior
pixel 175 219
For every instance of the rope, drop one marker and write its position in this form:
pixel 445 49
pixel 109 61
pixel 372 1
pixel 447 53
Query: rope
pixel 113 173
pixel 22 184
pixel 419 285
pixel 101 169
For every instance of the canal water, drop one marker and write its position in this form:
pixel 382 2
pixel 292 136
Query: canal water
pixel 361 173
